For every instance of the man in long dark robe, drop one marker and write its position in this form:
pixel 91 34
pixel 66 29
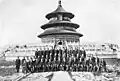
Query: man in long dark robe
pixel 104 64
pixel 17 63
pixel 36 53
pixel 84 52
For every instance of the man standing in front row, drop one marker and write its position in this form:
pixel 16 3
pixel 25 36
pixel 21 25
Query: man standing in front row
pixel 36 53
pixel 17 63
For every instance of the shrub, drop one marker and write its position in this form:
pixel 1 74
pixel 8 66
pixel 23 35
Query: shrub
pixel 7 63
pixel 7 71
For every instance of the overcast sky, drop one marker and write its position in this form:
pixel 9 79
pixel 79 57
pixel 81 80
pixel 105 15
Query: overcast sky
pixel 20 20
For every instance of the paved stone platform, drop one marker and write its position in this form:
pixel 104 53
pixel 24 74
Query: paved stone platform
pixel 62 76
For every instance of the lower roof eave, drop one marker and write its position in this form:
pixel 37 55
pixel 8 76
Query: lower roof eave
pixel 76 34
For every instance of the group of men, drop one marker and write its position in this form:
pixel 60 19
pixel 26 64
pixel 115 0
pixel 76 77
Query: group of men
pixel 62 60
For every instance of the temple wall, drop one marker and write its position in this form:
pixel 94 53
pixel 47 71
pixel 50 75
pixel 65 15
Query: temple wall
pixel 55 38
pixel 91 49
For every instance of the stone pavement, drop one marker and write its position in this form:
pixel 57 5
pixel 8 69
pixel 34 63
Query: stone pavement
pixel 61 76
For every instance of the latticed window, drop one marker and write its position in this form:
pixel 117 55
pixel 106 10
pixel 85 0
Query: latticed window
pixel 53 19
pixel 66 19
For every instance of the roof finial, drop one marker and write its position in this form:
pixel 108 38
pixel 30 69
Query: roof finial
pixel 59 2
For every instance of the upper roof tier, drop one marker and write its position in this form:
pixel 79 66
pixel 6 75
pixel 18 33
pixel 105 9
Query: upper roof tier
pixel 59 10
pixel 59 23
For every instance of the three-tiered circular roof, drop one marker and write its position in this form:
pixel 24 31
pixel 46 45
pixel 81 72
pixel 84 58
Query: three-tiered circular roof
pixel 60 26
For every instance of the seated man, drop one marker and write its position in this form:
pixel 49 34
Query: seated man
pixel 90 68
pixel 95 68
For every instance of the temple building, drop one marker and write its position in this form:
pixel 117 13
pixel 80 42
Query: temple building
pixel 60 29
pixel 66 64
